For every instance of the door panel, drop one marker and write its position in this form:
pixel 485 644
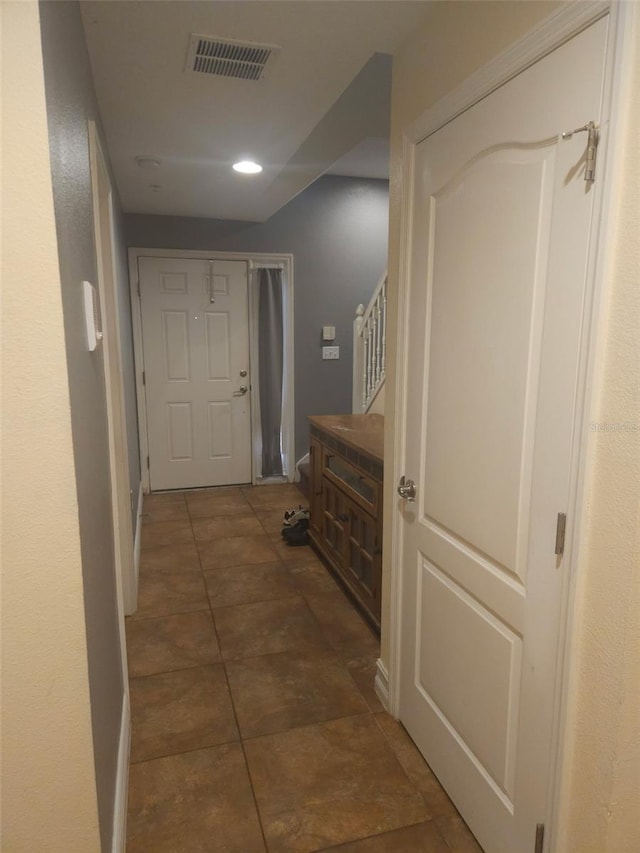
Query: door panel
pixel 218 346
pixel 180 431
pixel 499 244
pixel 196 343
pixel 473 683
pixel 220 430
pixel 492 371
pixel 175 343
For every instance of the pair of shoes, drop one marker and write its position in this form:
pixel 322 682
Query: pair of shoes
pixel 293 516
pixel 297 534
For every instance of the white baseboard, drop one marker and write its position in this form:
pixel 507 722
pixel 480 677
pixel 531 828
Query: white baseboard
pixel 376 403
pixel 137 545
pixel 122 780
pixel 301 461
pixel 382 684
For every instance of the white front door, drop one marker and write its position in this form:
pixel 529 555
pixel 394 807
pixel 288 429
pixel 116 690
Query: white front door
pixel 499 243
pixel 195 335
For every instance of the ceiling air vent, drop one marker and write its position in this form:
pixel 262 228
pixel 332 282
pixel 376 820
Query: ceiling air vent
pixel 226 58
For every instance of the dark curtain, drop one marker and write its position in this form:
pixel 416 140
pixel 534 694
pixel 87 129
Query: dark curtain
pixel 270 353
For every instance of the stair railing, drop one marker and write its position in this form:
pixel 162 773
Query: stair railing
pixel 369 348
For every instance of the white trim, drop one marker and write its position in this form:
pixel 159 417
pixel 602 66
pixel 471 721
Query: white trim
pixel 303 459
pixel 254 361
pixel 265 265
pixel 253 260
pixel 375 395
pixel 358 361
pixel 138 360
pixel 137 549
pixel 552 33
pixel 547 36
pixel 620 51
pixel 381 684
pixel 369 356
pixel 119 836
pixel 402 361
pixel 104 231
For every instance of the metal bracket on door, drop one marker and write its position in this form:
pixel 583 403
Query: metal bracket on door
pixel 592 146
pixel 561 526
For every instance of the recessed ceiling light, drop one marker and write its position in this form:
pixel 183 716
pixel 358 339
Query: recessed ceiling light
pixel 247 167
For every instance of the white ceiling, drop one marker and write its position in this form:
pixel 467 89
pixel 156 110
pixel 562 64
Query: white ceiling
pixel 324 106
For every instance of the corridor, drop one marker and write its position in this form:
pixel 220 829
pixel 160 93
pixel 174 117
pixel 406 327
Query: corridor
pixel 255 725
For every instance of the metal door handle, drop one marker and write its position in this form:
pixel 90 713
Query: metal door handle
pixel 242 390
pixel 407 489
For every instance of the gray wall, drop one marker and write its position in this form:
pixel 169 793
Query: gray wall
pixel 337 231
pixel 70 103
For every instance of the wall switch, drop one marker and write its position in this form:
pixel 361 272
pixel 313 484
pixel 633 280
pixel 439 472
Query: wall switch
pixel 330 352
pixel 90 299
pixel 328 333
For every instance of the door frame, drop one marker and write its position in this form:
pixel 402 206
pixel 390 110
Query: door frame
pixel 121 498
pixel 253 260
pixel 120 486
pixel 539 42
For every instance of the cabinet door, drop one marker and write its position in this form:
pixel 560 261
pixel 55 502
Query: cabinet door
pixel 315 485
pixel 362 563
pixel 334 521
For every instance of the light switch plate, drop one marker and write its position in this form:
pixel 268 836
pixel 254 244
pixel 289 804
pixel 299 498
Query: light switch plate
pixel 330 353
pixel 328 333
pixel 90 302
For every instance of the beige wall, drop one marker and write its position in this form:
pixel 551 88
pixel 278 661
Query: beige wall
pixel 602 774
pixel 598 809
pixel 48 787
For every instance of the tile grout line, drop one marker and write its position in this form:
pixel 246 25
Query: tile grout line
pixel 402 767
pixel 182 752
pixel 233 704
pixel 433 819
pixel 330 650
pixel 334 651
pixel 336 847
pixel 299 726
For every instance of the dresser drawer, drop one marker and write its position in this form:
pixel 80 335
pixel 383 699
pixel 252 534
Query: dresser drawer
pixel 361 488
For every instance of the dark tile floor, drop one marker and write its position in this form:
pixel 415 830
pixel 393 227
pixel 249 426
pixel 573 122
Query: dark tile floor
pixel 255 724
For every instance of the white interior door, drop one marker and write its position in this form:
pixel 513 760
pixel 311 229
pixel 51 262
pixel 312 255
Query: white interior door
pixel 195 333
pixel 499 242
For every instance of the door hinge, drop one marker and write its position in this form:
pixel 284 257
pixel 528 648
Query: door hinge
pixel 138 286
pixel 147 463
pixel 593 138
pixel 539 838
pixel 144 378
pixel 561 525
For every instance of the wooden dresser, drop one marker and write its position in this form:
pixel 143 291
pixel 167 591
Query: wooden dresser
pixel 346 458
